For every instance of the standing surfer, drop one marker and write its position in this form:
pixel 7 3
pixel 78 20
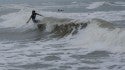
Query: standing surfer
pixel 33 16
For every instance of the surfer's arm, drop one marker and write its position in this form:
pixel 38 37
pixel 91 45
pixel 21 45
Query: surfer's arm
pixel 28 20
pixel 39 14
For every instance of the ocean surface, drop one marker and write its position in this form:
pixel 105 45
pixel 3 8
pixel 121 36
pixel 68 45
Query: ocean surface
pixel 72 35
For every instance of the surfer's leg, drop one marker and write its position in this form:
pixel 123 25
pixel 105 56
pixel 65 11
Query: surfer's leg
pixel 34 21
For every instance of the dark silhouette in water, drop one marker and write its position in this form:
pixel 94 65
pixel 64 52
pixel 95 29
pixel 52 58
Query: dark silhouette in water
pixel 33 16
pixel 59 10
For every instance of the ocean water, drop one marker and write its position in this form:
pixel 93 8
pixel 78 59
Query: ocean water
pixel 72 35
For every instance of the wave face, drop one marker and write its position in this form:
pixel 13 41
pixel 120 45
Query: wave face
pixel 61 27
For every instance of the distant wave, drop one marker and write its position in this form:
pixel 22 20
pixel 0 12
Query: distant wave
pixel 95 5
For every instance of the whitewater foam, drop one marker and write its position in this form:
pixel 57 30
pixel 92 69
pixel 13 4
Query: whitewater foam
pixel 95 5
pixel 97 37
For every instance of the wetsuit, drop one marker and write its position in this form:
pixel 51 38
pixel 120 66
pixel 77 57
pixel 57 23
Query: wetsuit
pixel 33 16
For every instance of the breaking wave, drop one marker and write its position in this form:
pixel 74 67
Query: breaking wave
pixel 54 27
pixel 62 27
pixel 65 26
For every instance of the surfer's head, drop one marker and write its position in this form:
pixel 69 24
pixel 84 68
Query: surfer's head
pixel 33 11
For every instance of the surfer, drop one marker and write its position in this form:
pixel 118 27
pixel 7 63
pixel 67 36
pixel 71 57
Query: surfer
pixel 33 16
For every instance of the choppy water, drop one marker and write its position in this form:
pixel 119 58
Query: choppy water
pixel 73 35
